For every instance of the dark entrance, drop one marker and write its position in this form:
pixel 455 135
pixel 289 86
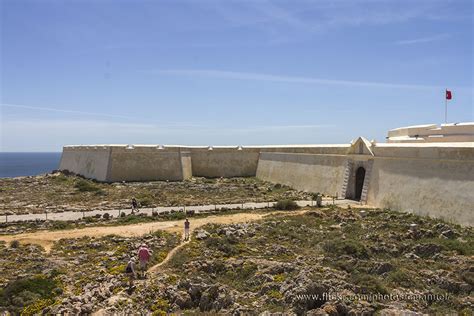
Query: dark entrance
pixel 359 182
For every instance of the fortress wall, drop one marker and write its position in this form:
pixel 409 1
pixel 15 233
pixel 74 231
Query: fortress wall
pixel 434 181
pixel 224 162
pixel 307 172
pixel 462 151
pixel 309 149
pixel 149 162
pixel 145 163
pixel 88 161
pixel 186 164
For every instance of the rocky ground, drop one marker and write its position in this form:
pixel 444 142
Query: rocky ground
pixel 59 192
pixel 76 276
pixel 266 266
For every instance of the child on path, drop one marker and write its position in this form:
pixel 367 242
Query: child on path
pixel 186 229
pixel 130 271
pixel 144 255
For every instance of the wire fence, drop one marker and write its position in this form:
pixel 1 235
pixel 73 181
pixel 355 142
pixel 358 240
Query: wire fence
pixel 77 215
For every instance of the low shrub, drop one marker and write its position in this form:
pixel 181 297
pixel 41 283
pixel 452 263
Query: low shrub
pixel 25 291
pixel 160 307
pixel 83 185
pixel 146 201
pixel 368 284
pixel 279 278
pixel 60 178
pixel 275 294
pixel 14 244
pixel 181 257
pixel 286 205
pixel 349 247
pixel 226 244
pixel 58 225
pixel 468 276
pixel 106 216
pixel 36 307
pixel 401 277
pixel 89 219
pixel 462 248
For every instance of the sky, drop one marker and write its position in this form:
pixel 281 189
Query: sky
pixel 213 72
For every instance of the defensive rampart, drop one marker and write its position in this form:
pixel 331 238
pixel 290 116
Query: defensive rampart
pixel 224 161
pixel 435 179
pixel 88 161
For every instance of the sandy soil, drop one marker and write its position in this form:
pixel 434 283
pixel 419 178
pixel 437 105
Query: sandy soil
pixel 47 238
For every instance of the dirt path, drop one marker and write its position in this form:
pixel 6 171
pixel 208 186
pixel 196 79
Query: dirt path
pixel 47 238
pixel 168 256
pixel 195 224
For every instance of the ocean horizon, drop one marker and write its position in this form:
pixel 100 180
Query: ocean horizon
pixel 20 164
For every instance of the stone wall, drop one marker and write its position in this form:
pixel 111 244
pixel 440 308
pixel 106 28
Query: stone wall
pixel 435 179
pixel 145 163
pixel 307 172
pixel 437 188
pixel 89 161
pixel 224 162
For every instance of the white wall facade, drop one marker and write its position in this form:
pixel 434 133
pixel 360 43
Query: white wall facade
pixel 434 179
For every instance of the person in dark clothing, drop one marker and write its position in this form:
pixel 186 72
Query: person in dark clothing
pixel 186 229
pixel 134 205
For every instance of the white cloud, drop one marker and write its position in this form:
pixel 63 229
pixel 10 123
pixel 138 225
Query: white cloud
pixel 28 107
pixel 211 73
pixel 84 113
pixel 51 135
pixel 426 39
pixel 324 14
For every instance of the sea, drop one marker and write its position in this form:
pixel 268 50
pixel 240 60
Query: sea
pixel 28 164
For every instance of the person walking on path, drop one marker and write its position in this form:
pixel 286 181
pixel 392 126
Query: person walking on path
pixel 144 255
pixel 131 272
pixel 134 205
pixel 186 229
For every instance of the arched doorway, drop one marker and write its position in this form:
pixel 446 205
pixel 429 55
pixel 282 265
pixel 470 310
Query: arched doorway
pixel 359 182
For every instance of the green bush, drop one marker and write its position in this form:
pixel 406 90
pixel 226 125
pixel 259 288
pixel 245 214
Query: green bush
pixel 462 248
pixel 23 292
pixel 367 283
pixel 60 178
pixel 468 277
pixel 90 219
pixel 401 277
pixel 86 186
pixel 286 205
pixel 36 307
pixel 226 244
pixel 346 247
pixel 238 277
pixel 58 225
pixel 146 201
pixel 14 244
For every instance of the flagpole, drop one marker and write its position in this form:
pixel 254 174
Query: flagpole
pixel 445 107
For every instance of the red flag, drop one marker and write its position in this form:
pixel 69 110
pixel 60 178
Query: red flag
pixel 449 95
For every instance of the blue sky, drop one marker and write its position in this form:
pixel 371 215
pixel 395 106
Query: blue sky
pixel 229 72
